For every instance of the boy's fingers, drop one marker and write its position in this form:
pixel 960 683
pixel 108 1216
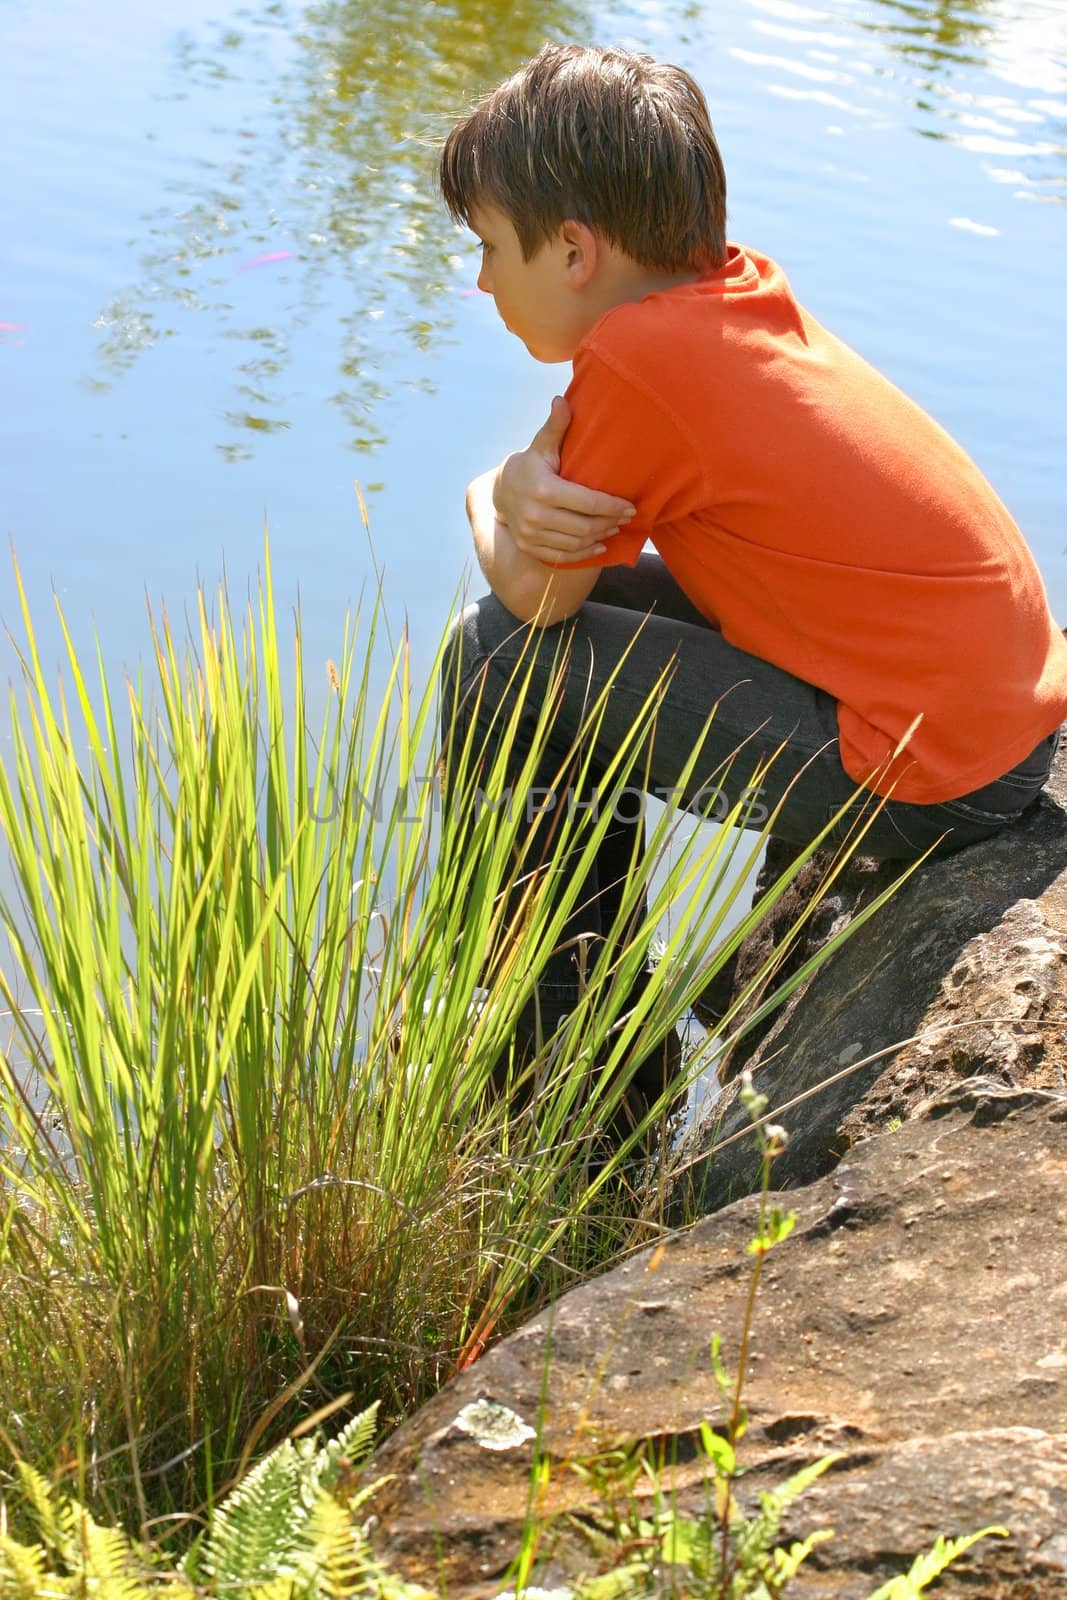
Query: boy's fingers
pixel 553 523
pixel 569 505
pixel 561 493
pixel 608 508
pixel 561 546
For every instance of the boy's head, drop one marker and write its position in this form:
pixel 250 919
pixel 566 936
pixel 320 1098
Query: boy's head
pixel 610 138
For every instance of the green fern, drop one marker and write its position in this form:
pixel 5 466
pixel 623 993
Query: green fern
pixel 288 1531
pixel 287 1524
pixel 689 1551
pixel 255 1534
pixel 76 1555
pixel 925 1568
pixel 349 1447
pixel 754 1540
pixel 23 1569
pixel 787 1563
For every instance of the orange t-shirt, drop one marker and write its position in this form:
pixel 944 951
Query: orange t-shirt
pixel 823 522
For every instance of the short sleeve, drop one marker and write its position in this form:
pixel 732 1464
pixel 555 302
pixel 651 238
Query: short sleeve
pixel 625 440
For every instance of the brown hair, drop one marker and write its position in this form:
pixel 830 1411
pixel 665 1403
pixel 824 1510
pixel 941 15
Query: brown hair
pixel 611 138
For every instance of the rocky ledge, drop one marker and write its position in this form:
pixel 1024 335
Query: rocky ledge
pixel 916 1321
pixel 962 973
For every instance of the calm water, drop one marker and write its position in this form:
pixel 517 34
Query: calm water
pixel 227 290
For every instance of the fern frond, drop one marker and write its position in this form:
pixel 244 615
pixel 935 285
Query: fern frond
pixel 359 1497
pixel 337 1551
pixel 22 1569
pixel 78 1557
pixel 802 1480
pixel 37 1491
pixel 284 1587
pixel 755 1538
pixel 787 1563
pixel 618 1584
pixel 352 1443
pixel 117 1566
pixel 925 1568
pixel 288 1523
pixel 255 1532
pixel 101 1553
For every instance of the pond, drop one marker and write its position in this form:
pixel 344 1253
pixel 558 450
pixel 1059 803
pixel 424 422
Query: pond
pixel 229 290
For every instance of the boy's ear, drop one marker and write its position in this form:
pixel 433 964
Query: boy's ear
pixel 581 248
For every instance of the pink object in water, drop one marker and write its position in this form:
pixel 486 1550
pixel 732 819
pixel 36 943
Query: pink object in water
pixel 267 260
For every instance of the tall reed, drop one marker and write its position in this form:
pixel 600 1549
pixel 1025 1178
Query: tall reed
pixel 258 984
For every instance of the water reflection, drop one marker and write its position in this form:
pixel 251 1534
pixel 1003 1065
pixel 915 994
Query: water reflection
pixel 1019 45
pixel 987 75
pixel 937 35
pixel 309 202
pixel 331 191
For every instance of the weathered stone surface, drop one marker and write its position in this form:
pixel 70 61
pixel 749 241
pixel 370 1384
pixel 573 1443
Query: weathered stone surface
pixel 916 1321
pixel 962 974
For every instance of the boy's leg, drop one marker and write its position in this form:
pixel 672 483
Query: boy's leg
pixel 636 627
pixel 759 708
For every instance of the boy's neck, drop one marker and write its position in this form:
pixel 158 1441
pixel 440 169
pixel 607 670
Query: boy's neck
pixel 619 279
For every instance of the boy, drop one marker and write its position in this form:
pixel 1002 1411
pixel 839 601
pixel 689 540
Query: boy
pixel 830 565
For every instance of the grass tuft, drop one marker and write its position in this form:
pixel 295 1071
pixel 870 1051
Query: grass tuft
pixel 250 1174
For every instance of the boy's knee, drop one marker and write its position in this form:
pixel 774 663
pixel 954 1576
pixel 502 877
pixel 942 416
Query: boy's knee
pixel 454 652
pixel 473 639
pixel 486 630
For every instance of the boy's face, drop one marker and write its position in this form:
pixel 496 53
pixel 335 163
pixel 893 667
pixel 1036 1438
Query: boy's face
pixel 540 300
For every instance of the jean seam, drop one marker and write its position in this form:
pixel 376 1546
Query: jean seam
pixel 1020 781
pixel 979 814
pixel 897 829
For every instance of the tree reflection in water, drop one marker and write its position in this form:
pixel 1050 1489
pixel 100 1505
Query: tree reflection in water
pixel 935 35
pixel 335 169
pixel 328 156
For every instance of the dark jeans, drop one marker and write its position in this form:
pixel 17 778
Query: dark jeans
pixel 640 614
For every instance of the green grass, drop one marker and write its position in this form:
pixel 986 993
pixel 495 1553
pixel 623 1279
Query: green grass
pixel 296 1526
pixel 250 1171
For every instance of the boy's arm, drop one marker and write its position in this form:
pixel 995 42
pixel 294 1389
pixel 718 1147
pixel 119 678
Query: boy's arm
pixel 610 430
pixel 629 436
pixel 530 591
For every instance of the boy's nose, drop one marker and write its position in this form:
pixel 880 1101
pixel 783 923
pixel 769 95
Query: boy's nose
pixel 483 279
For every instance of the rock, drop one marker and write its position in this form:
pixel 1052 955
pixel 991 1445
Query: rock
pixel 962 974
pixel 915 1321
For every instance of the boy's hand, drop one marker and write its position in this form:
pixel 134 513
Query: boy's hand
pixel 548 517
